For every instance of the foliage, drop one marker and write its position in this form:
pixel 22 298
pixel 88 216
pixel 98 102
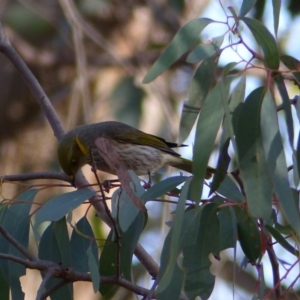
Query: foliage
pixel 252 198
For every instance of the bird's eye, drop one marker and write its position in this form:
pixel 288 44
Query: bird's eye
pixel 73 162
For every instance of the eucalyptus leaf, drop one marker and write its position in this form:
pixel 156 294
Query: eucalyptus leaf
pixel 184 39
pixel 57 207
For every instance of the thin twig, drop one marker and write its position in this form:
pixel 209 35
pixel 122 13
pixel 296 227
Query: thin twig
pixel 274 265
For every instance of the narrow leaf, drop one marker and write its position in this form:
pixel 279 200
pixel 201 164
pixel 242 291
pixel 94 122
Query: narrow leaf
pixel 247 5
pixel 176 281
pixel 198 90
pixel 163 187
pixel 175 239
pixel 203 51
pixel 230 190
pixel 93 268
pixel 251 156
pixel 181 43
pixel 266 41
pixel 82 239
pixel 276 14
pixel 276 162
pixel 292 64
pixel 55 246
pixel 282 241
pixel 248 233
pixel 286 107
pixel 59 206
pixel 207 128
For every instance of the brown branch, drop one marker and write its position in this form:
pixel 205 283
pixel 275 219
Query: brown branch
pixel 274 265
pixel 36 175
pixel 39 295
pixel 33 84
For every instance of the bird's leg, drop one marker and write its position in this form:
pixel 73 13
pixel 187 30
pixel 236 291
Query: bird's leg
pixel 114 225
pixel 108 184
pixel 148 184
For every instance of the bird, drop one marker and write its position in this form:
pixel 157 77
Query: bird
pixel 140 152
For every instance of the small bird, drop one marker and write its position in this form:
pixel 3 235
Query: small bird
pixel 139 151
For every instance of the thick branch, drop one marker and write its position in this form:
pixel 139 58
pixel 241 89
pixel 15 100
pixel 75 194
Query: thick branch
pixel 69 275
pixel 32 83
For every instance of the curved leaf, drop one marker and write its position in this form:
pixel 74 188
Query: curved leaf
pixel 249 236
pixel 82 239
pixel 251 156
pixel 198 91
pixel 55 246
pixel 182 41
pixel 59 206
pixel 266 41
pixel 205 50
pixel 276 13
pixel 247 5
pixel 276 162
pixel 207 128
pixel 163 187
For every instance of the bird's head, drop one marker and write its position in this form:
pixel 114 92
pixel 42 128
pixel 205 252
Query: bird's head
pixel 72 154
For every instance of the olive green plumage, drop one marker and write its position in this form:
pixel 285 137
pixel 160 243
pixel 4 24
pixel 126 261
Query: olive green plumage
pixel 139 151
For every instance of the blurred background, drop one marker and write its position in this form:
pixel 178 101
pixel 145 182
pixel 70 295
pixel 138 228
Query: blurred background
pixel 90 57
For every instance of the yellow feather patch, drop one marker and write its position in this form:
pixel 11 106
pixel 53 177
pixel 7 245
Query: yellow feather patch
pixel 82 147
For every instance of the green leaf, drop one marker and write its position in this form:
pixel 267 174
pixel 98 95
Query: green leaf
pixel 203 51
pixel 123 209
pixel 292 64
pixel 59 206
pixel 175 239
pixel 129 240
pixel 163 187
pixel 276 14
pixel 93 268
pixel 196 264
pixel 16 222
pixel 191 226
pixel 282 241
pixel 286 107
pixel 184 39
pixel 276 161
pixel 172 291
pixel 251 156
pixel 266 41
pixel 247 5
pixel 230 190
pixel 198 91
pixel 4 286
pixel 207 128
pixel 82 239
pixel 223 161
pixel 248 233
pixel 55 246
pixel 228 231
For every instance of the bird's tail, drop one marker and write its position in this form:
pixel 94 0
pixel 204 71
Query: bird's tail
pixel 187 166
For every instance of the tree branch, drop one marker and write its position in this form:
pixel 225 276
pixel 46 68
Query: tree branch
pixel 36 175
